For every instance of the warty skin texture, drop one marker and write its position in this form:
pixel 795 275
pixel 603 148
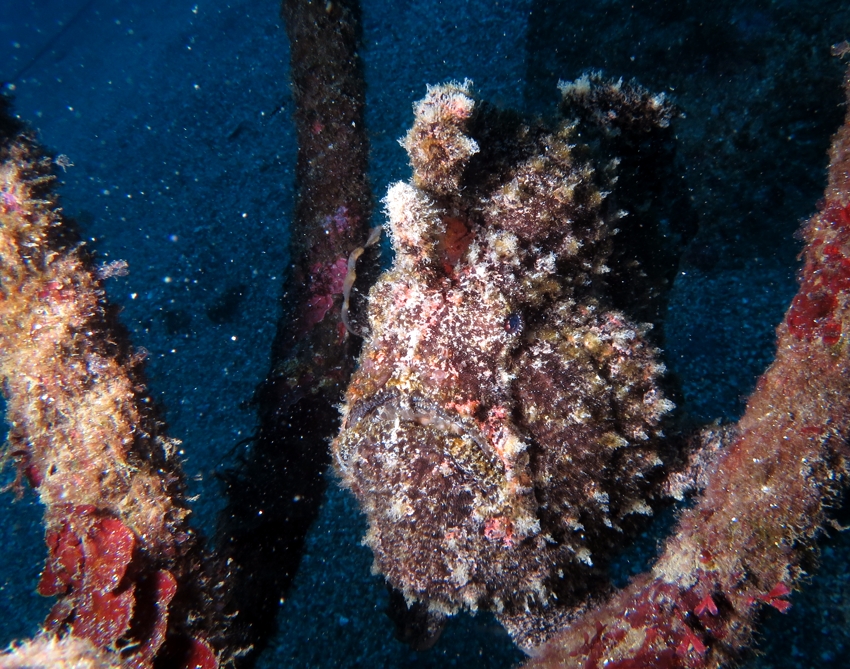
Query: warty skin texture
pixel 503 425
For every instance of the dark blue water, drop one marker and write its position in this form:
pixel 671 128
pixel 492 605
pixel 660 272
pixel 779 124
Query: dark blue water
pixel 176 116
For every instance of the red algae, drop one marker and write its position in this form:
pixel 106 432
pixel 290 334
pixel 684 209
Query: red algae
pixel 784 465
pixel 84 431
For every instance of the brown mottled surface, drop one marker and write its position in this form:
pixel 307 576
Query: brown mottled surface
pixel 504 422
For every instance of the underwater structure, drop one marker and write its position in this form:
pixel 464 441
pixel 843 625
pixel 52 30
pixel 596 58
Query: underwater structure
pixel 498 352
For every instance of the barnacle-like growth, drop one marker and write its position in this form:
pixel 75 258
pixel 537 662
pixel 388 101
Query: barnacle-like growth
pixel 504 421
pixel 745 542
pixel 85 433
pixel 59 653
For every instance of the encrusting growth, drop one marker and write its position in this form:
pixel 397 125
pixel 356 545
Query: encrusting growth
pixel 503 430
pixel 69 652
pixel 769 490
pixel 85 434
pixel 503 427
pixel 315 347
